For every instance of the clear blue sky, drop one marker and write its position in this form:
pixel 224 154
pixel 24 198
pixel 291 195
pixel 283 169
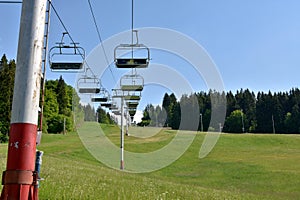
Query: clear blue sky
pixel 254 43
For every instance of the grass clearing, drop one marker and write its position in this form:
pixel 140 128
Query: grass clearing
pixel 149 140
pixel 239 167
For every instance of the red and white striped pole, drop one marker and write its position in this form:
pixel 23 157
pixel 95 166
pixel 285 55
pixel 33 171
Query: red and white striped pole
pixel 20 179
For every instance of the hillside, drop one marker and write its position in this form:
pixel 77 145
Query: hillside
pixel 240 167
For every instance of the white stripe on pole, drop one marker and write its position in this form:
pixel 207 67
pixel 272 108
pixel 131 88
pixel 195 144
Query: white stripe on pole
pixel 29 61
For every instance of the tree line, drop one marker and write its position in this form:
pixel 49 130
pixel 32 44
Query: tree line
pixel 99 115
pixel 246 112
pixel 62 106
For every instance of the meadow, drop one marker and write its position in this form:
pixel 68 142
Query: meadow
pixel 241 166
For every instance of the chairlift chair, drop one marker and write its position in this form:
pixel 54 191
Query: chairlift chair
pixel 110 105
pixel 132 82
pixel 89 85
pixel 131 61
pixel 132 104
pixel 103 96
pixel 116 112
pixel 132 113
pixel 132 55
pixel 66 57
pixel 113 107
pixel 106 104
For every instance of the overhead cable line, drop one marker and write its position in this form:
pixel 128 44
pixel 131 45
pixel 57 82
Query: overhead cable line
pixel 132 30
pixel 132 14
pixel 11 2
pixel 100 39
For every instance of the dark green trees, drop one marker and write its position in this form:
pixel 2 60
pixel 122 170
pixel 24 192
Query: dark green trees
pixel 89 113
pixel 292 117
pixel 169 106
pixel 146 119
pixel 7 74
pixel 235 122
pixel 58 106
pixel 62 97
pixel 103 117
pixel 245 111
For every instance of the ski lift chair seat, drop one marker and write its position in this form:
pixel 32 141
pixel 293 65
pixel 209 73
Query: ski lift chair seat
pixel 132 88
pixel 66 66
pixel 132 97
pixel 89 90
pixel 99 99
pixel 132 62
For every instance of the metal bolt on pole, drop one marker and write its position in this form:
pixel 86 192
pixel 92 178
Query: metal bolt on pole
pixel 20 177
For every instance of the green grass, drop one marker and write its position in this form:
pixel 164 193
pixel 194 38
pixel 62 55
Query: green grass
pixel 239 167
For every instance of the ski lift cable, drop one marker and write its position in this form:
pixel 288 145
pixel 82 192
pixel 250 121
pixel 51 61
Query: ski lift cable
pixel 11 2
pixel 132 25
pixel 100 39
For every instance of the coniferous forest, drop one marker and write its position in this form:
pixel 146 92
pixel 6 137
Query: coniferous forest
pixel 246 112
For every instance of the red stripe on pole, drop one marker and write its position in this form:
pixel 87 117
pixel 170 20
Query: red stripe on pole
pixel 22 146
pixel 21 157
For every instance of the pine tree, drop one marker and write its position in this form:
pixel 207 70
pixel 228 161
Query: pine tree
pixel 166 107
pixel 89 113
pixel 231 103
pixel 176 116
pixel 104 117
pixel 7 74
pixel 58 106
pixel 62 98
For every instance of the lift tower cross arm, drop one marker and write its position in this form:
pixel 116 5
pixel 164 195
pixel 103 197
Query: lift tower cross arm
pixel 20 178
